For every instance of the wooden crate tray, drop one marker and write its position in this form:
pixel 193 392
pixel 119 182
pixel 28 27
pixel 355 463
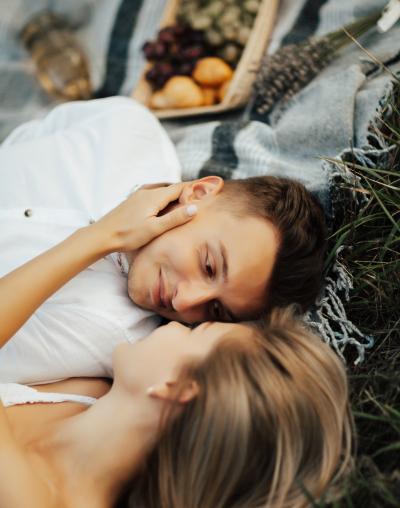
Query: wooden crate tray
pixel 240 88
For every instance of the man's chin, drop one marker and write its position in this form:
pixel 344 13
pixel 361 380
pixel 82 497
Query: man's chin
pixel 136 299
pixel 165 314
pixel 145 305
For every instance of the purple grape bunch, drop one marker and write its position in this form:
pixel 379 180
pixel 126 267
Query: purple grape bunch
pixel 174 53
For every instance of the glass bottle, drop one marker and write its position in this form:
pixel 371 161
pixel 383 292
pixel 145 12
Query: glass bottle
pixel 61 65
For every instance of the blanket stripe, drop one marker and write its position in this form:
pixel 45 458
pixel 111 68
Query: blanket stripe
pixel 118 48
pixel 223 159
pixel 306 23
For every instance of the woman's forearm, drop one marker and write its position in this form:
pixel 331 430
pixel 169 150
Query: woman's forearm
pixel 23 290
pixel 129 226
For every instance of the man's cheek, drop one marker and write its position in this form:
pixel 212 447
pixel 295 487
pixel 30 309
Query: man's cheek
pixel 135 282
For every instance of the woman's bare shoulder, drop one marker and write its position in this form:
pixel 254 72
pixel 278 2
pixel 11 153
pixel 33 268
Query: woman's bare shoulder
pixel 91 387
pixel 20 485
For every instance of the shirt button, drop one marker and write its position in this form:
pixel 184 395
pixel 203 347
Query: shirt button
pixel 28 212
pixel 92 221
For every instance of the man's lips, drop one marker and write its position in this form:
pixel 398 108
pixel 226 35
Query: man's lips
pixel 159 294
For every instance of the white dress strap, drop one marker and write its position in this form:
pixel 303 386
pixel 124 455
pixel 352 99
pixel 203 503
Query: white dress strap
pixel 12 394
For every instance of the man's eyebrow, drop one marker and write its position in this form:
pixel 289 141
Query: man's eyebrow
pixel 224 256
pixel 225 273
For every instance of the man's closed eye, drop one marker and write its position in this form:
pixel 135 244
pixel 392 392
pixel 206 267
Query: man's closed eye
pixel 209 266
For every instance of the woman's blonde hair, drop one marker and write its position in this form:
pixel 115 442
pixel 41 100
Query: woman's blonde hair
pixel 270 427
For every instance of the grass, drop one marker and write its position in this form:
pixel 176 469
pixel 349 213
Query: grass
pixel 372 256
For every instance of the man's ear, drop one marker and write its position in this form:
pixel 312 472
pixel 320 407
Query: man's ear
pixel 167 392
pixel 201 188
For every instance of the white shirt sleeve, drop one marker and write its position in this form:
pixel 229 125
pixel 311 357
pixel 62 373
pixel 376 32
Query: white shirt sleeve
pixel 91 154
pixel 67 115
pixel 54 344
pixel 64 341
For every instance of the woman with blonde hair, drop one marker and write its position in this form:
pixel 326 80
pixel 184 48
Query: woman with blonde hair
pixel 269 425
pixel 223 415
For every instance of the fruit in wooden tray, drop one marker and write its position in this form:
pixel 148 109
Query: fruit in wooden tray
pixel 227 23
pixel 207 86
pixel 154 50
pixel 185 69
pixel 230 53
pixel 214 37
pixel 174 52
pixel 178 92
pixel 184 72
pixel 210 95
pixel 174 42
pixel 212 71
pixel 193 53
pixel 251 6
pixel 159 74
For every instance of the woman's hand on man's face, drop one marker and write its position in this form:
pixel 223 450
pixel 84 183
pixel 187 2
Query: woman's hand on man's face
pixel 136 221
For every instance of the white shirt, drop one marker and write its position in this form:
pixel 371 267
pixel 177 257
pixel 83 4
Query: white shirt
pixel 56 175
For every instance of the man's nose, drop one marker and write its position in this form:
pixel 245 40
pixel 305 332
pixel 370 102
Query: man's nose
pixel 188 296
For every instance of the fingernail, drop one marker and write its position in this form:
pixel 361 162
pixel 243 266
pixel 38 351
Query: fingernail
pixel 191 210
pixel 150 390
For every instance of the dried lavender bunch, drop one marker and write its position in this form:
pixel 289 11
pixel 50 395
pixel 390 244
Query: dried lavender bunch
pixel 283 74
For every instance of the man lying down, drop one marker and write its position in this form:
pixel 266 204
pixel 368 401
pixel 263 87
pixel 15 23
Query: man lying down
pixel 253 244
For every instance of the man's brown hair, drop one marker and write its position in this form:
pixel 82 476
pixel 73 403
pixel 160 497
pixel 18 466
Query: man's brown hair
pixel 300 222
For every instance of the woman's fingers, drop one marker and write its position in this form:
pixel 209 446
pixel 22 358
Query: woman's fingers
pixel 136 221
pixel 175 218
pixel 166 195
pixel 154 185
